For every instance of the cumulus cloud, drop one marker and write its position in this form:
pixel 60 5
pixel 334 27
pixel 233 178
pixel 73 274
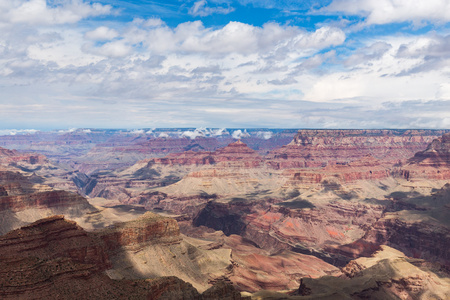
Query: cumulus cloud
pixel 194 134
pixel 239 134
pixel 137 131
pixel 201 8
pixel 101 33
pixel 392 11
pixel 366 55
pixel 117 48
pixel 146 73
pixel 236 37
pixel 18 131
pixel 264 134
pixel 430 53
pixel 40 12
pixel 203 132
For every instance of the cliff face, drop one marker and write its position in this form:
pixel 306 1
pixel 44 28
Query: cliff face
pixel 53 237
pixel 388 274
pixel 423 240
pixel 436 155
pixel 296 225
pixel 59 260
pixel 433 163
pixel 12 156
pixel 55 259
pixel 149 228
pixel 367 168
pixel 234 152
pixel 50 199
pixel 318 148
pixel 23 201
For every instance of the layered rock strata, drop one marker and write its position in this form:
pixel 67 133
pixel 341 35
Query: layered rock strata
pixel 388 274
pixel 432 163
pixel 319 148
pixel 55 258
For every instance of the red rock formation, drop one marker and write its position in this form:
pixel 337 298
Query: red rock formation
pixel 53 237
pixel 306 230
pixel 41 200
pixel 367 168
pixel 388 274
pixel 436 155
pixel 55 259
pixel 432 163
pixel 12 156
pixel 234 152
pixel 426 240
pixel 148 228
pixel 318 148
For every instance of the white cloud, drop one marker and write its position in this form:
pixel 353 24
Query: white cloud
pixel 145 73
pixel 201 8
pixel 40 12
pixel 264 134
pixel 194 134
pixel 137 131
pixel 101 33
pixel 118 48
pixel 391 11
pixel 18 131
pixel 239 134
pixel 238 37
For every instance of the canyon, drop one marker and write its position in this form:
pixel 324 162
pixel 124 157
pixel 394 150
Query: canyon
pixel 281 214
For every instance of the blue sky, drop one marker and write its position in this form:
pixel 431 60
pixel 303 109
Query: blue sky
pixel 225 63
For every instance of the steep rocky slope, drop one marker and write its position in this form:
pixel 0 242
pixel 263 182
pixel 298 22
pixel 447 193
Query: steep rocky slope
pixel 24 200
pixel 55 258
pixel 388 274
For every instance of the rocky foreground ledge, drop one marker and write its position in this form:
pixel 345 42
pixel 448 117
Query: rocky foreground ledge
pixel 54 258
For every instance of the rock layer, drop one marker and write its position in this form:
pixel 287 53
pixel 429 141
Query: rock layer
pixel 318 148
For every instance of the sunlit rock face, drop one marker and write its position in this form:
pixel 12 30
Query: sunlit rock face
pixel 234 152
pixel 388 274
pixel 58 259
pixel 318 148
pixel 432 163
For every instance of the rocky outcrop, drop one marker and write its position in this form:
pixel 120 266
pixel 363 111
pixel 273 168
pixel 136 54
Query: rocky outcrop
pixel 222 290
pixel 418 239
pixel 388 274
pixel 296 225
pixel 436 155
pixel 38 200
pixel 23 201
pixel 55 259
pixel 53 237
pixel 319 148
pixel 149 228
pixel 234 152
pixel 12 156
pixel 432 163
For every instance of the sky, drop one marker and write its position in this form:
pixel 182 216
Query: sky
pixel 224 63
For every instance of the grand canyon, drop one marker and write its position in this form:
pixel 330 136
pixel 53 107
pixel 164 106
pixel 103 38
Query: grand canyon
pixel 225 214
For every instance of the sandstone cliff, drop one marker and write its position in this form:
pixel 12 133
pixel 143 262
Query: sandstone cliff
pixel 318 148
pixel 56 259
pixel 432 163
